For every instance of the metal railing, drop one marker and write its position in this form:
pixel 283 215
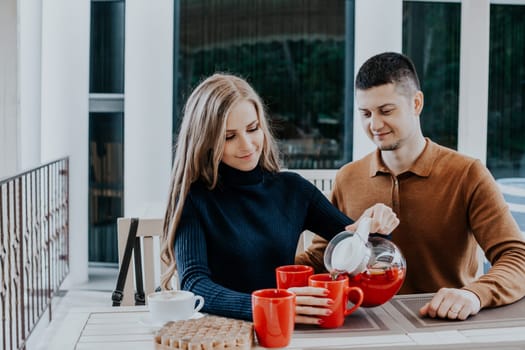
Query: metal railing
pixel 34 247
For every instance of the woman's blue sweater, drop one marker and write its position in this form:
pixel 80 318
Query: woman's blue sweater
pixel 231 239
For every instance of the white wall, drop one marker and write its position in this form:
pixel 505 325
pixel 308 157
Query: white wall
pixel 65 85
pixel 378 28
pixel 474 78
pixel 147 105
pixel 8 88
pixel 30 54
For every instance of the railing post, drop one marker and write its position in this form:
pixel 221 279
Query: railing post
pixel 11 249
pixel 3 258
pixel 48 244
pixel 20 231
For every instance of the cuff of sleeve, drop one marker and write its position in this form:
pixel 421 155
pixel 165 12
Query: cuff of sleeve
pixel 480 292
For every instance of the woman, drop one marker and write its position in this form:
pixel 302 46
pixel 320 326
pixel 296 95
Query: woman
pixel 232 216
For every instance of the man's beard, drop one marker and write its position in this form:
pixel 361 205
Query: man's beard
pixel 390 147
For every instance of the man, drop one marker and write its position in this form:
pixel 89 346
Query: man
pixel 446 202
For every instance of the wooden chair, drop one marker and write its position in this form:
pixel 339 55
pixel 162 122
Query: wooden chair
pixel 149 232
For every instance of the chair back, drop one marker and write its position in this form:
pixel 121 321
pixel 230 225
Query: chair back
pixel 323 179
pixel 149 232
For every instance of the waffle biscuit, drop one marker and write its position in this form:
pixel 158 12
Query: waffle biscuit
pixel 206 333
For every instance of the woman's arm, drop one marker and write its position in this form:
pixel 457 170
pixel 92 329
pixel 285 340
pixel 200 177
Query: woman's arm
pixel 194 273
pixel 310 301
pixel 326 220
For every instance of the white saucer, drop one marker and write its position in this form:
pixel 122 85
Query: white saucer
pixel 146 321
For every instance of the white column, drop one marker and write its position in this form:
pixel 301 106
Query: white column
pixel 30 35
pixel 474 78
pixel 378 28
pixel 65 123
pixel 8 88
pixel 147 105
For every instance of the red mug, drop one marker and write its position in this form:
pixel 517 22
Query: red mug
pixel 288 276
pixel 339 291
pixel 273 316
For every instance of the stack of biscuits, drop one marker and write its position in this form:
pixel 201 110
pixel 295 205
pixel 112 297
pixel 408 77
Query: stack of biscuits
pixel 206 333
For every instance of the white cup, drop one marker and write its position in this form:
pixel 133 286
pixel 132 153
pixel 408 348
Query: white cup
pixel 173 305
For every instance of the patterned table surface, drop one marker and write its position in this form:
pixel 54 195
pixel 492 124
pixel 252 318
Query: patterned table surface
pixel 394 325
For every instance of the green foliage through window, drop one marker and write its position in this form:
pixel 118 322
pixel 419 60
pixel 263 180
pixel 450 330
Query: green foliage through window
pixel 291 51
pixel 506 110
pixel 431 38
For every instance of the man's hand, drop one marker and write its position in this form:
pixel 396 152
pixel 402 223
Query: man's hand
pixel 455 304
pixel 384 220
pixel 310 303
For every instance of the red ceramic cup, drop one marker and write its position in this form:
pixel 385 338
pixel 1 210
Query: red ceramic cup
pixel 293 276
pixel 273 317
pixel 340 292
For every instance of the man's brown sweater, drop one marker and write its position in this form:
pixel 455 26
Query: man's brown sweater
pixel 447 203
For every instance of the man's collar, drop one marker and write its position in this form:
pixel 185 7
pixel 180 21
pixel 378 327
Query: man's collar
pixel 421 167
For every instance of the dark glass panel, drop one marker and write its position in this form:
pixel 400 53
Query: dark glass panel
pixel 107 47
pixel 291 51
pixel 106 178
pixel 431 38
pixel 506 110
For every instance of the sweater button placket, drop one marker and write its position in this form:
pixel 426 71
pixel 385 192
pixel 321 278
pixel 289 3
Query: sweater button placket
pixel 395 195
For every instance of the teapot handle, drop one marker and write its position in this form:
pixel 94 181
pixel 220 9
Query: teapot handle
pixel 363 230
pixel 359 292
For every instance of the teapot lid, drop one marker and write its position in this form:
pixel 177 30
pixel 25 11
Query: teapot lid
pixel 351 253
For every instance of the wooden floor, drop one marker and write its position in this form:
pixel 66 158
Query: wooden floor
pixel 96 292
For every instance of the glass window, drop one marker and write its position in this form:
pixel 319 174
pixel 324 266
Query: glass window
pixel 506 107
pixel 106 178
pixel 106 129
pixel 431 38
pixel 107 47
pixel 291 51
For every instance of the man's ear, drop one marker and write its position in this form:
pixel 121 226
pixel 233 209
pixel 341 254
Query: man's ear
pixel 419 101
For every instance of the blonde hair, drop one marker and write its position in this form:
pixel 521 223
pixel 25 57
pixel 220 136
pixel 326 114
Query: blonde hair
pixel 200 145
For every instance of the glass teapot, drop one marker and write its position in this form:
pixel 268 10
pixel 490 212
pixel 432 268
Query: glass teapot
pixel 374 264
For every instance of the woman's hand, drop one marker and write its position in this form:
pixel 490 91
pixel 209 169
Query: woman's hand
pixel 310 303
pixel 384 220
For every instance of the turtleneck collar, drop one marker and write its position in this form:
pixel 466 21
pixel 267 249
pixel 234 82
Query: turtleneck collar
pixel 232 176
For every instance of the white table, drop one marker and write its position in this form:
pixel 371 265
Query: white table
pixel 394 325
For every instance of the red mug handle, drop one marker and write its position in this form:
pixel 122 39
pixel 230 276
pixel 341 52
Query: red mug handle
pixel 358 303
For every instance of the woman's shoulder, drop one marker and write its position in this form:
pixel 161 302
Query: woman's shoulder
pixel 288 174
pixel 295 181
pixel 291 177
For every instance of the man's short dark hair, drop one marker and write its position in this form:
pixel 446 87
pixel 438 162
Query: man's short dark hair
pixel 388 68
